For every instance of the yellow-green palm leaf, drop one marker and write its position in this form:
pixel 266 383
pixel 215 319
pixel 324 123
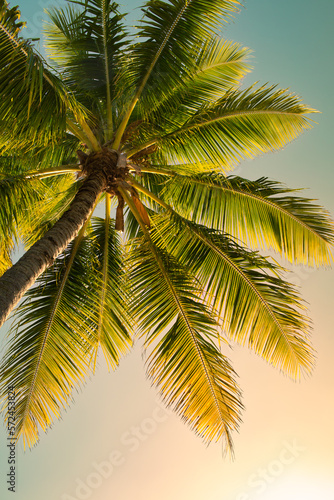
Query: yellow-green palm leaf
pixel 192 375
pixel 261 213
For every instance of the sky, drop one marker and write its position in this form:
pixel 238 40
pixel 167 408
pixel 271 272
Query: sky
pixel 116 441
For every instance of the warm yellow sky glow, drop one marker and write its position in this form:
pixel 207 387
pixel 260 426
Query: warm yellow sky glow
pixel 299 488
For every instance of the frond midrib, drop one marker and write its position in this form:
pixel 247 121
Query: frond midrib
pixel 228 116
pixel 230 262
pixel 264 303
pixel 198 125
pixel 13 39
pixel 104 270
pixel 261 199
pixel 127 116
pixel 190 329
pixel 106 58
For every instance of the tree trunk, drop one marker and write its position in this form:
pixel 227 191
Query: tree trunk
pixel 19 278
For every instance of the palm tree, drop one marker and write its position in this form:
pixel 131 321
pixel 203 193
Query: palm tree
pixel 149 124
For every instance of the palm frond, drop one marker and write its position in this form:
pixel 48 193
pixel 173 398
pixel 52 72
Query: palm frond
pixel 110 319
pixel 217 66
pixel 260 213
pixel 257 306
pixel 30 156
pixel 243 124
pixel 47 350
pixel 31 203
pixel 193 376
pixel 168 32
pixel 85 42
pixel 16 198
pixel 58 196
pixel 37 115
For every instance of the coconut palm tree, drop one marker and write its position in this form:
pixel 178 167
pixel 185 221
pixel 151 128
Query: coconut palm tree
pixel 150 124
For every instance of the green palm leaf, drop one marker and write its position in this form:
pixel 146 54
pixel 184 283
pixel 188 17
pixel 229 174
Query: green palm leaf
pixel 108 293
pixel 16 198
pixel 217 66
pixel 258 308
pixel 47 349
pixel 58 195
pixel 85 42
pixel 37 115
pixel 193 376
pixel 20 192
pixel 169 31
pixel 233 128
pixel 60 328
pixel 261 213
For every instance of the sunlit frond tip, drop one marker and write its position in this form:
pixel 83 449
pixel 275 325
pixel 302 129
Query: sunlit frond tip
pixel 193 376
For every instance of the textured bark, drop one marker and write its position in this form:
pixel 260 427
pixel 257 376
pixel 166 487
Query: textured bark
pixel 19 278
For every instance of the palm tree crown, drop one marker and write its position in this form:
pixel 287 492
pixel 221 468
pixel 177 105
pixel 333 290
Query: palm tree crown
pixel 149 124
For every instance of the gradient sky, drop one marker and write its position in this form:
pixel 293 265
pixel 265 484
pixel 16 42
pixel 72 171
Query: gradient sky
pixel 284 449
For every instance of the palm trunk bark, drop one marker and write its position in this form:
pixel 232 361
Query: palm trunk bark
pixel 19 278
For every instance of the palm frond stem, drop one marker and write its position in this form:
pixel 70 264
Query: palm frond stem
pixel 86 136
pixel 74 129
pixel 50 172
pixel 127 116
pixel 148 193
pixel 132 206
pixel 104 271
pixel 105 51
pixel 227 116
pixel 142 147
pixel 159 170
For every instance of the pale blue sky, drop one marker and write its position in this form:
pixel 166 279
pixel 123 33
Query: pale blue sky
pixel 284 447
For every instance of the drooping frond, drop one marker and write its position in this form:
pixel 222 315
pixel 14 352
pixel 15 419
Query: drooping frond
pixel 58 195
pixel 233 128
pixel 192 375
pixel 16 197
pixel 261 213
pixel 108 294
pixel 31 201
pixel 47 350
pixel 37 157
pixel 257 306
pixel 37 114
